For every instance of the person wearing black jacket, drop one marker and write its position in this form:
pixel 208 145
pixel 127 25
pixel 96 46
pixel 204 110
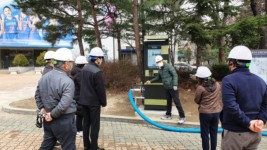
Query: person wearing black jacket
pixel 80 61
pixel 49 60
pixel 244 97
pixel 92 97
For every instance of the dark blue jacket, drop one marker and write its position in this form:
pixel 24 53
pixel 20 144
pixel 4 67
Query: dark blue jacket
pixel 244 98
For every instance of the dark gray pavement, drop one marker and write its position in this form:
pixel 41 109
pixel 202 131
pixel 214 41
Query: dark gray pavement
pixel 18 131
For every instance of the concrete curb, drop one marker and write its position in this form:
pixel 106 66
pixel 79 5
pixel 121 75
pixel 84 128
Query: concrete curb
pixel 135 120
pixel 113 118
pixel 8 109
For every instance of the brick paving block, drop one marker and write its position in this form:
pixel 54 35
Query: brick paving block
pixel 17 132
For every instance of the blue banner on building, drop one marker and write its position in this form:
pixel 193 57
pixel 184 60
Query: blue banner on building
pixel 17 29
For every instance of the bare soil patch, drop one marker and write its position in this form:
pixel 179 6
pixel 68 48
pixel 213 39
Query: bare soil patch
pixel 119 104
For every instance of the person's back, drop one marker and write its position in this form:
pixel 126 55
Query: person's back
pixel 92 86
pixel 49 60
pixel 208 97
pixel 47 68
pixel 76 76
pixel 53 86
pixel 248 89
pixel 244 97
pixel 210 101
pixel 54 98
pixel 92 97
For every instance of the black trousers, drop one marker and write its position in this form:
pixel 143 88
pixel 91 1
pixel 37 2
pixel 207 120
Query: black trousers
pixel 91 126
pixel 209 127
pixel 171 94
pixel 62 129
pixel 79 118
pixel 79 122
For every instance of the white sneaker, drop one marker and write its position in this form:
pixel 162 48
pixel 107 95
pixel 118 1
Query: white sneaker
pixel 79 133
pixel 166 117
pixel 181 120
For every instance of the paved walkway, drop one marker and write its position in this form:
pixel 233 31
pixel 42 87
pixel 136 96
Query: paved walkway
pixel 18 131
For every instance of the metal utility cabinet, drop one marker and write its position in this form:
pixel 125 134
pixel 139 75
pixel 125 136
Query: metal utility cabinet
pixel 154 93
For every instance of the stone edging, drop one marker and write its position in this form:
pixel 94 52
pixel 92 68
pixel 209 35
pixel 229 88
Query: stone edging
pixel 136 120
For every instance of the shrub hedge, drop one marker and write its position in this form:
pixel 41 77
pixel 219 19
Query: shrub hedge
pixel 119 75
pixel 20 60
pixel 219 71
pixel 40 59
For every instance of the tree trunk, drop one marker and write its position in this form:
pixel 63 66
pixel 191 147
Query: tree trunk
pixel 263 42
pixel 137 38
pixel 80 27
pixel 119 43
pixel 253 6
pixel 172 52
pixel 263 36
pixel 143 30
pixel 199 50
pixel 221 54
pixel 223 39
pixel 97 33
pixel 263 39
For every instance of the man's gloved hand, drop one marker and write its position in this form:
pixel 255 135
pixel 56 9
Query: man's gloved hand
pixel 175 88
pixel 147 82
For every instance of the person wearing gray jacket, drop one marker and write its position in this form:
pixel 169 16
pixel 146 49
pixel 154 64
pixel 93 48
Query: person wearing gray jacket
pixel 54 98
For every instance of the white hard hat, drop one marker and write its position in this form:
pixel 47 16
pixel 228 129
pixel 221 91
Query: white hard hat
pixel 49 55
pixel 96 51
pixel 64 54
pixel 158 58
pixel 81 60
pixel 203 72
pixel 240 53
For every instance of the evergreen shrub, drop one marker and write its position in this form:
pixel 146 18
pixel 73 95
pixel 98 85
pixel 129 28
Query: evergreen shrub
pixel 40 59
pixel 185 81
pixel 20 60
pixel 219 71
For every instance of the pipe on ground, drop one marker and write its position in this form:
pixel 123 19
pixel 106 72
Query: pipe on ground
pixel 165 127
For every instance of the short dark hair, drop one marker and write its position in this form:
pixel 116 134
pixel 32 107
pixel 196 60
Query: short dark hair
pixel 6 7
pixel 240 63
pixel 80 65
pixel 208 83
